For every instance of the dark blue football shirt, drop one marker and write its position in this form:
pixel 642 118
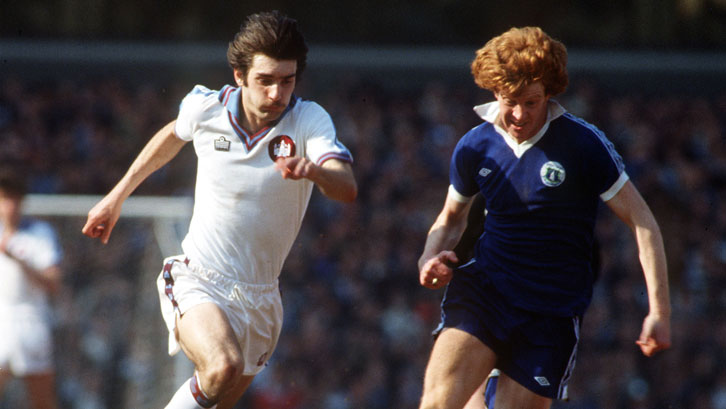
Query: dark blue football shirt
pixel 541 199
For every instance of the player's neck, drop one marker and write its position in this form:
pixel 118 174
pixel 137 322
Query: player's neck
pixel 9 226
pixel 250 121
pixel 6 234
pixel 251 125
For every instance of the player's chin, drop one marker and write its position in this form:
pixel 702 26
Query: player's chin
pixel 520 132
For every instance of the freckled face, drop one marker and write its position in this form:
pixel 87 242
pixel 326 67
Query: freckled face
pixel 523 115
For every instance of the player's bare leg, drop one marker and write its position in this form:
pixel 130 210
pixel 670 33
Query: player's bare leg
pixel 208 340
pixel 41 390
pixel 458 365
pixel 510 394
pixel 230 399
pixel 477 399
pixel 5 376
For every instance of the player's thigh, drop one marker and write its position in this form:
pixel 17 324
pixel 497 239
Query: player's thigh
pixel 458 365
pixel 205 335
pixel 477 399
pixel 5 376
pixel 41 390
pixel 511 394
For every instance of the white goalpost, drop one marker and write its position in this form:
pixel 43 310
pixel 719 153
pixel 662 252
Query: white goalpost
pixel 165 212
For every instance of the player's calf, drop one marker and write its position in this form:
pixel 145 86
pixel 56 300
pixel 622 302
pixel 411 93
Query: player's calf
pixel 190 396
pixel 208 385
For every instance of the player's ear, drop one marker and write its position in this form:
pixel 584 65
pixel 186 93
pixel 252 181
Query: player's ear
pixel 239 77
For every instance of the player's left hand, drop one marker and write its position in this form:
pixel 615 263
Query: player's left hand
pixel 436 272
pixel 4 240
pixel 656 334
pixel 296 168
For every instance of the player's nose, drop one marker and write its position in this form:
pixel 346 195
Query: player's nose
pixel 273 92
pixel 518 112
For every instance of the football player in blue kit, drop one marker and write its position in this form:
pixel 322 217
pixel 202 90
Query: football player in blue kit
pixel 484 397
pixel 517 304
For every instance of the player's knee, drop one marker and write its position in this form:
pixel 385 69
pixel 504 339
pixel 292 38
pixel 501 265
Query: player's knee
pixel 433 397
pixel 223 373
pixel 428 404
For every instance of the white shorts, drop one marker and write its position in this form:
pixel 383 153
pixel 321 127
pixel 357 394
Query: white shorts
pixel 26 347
pixel 254 310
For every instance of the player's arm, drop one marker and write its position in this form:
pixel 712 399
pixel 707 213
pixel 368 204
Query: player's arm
pixel 474 228
pixel 49 279
pixel 436 260
pixel 162 147
pixel 334 177
pixel 630 207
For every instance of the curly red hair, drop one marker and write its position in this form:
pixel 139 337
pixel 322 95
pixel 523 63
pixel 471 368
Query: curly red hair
pixel 519 57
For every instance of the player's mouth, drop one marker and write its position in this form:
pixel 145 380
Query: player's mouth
pixel 274 108
pixel 518 125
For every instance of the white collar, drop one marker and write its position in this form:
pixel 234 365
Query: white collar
pixel 490 111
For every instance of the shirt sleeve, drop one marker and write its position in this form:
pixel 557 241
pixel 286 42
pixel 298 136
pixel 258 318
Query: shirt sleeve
pixel 607 166
pixel 189 110
pixel 46 250
pixel 461 176
pixel 322 143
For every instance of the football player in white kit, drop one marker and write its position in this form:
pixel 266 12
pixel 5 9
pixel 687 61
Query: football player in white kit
pixel 260 150
pixel 29 267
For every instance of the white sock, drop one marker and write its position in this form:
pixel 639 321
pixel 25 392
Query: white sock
pixel 185 399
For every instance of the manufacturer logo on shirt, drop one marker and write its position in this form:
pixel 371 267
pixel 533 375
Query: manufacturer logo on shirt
pixel 221 144
pixel 281 147
pixel 552 174
pixel 542 380
pixel 484 172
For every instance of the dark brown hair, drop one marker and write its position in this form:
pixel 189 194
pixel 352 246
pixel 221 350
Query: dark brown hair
pixel 12 183
pixel 272 34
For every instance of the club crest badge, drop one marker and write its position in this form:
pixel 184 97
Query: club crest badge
pixel 552 174
pixel 221 144
pixel 281 147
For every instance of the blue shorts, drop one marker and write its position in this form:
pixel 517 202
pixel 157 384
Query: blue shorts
pixel 537 351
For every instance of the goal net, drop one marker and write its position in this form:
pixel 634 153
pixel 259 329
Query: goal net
pixel 107 315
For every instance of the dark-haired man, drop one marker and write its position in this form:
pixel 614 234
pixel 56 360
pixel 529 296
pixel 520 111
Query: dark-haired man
pixel 30 269
pixel 260 151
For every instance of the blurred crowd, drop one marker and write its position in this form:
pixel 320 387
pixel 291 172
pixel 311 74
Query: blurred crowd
pixel 358 326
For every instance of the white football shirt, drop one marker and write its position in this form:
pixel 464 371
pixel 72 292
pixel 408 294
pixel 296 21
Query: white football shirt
pixel 246 216
pixel 36 244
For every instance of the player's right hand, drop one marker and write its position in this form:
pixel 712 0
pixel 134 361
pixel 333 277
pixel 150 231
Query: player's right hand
pixel 655 335
pixel 101 220
pixel 436 272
